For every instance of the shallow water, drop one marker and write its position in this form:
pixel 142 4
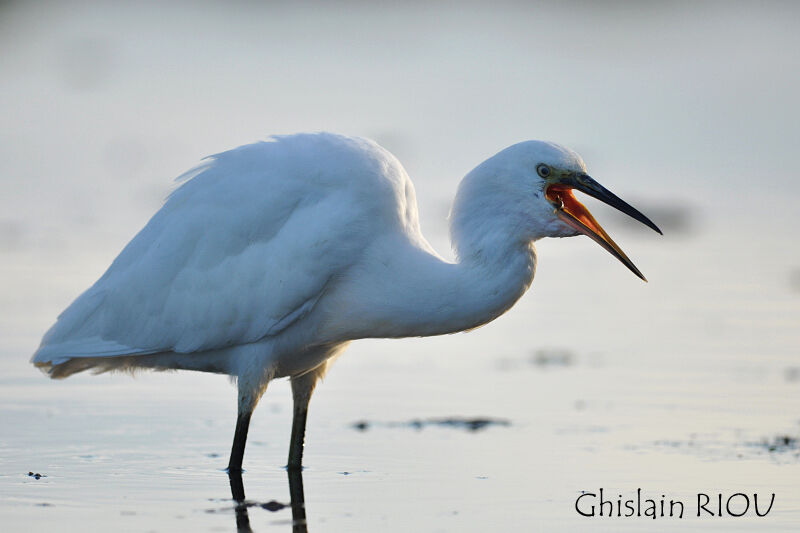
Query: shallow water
pixel 685 385
pixel 677 417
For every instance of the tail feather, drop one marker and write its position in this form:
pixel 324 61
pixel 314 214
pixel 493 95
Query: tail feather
pixel 210 361
pixel 60 360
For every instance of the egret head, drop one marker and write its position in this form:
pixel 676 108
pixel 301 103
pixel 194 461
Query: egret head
pixel 531 184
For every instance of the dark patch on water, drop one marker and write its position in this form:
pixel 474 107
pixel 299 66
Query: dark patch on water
pixel 469 424
pixel 552 357
pixel 273 506
pixel 792 374
pixel 542 358
pixel 672 443
pixel 36 475
pixel 781 447
pixel 781 444
pixel 349 473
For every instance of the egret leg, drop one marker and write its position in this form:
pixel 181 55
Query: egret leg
pixel 298 501
pixel 237 491
pixel 239 440
pixel 302 387
pixel 247 402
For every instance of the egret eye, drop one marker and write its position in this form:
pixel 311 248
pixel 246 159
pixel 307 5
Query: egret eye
pixel 543 170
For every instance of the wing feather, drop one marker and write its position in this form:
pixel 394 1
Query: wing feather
pixel 239 252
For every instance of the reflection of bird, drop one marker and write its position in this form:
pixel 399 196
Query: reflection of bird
pixel 273 256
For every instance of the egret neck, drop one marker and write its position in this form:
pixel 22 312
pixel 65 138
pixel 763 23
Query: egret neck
pixel 424 295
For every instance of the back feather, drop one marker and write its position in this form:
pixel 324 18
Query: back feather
pixel 241 250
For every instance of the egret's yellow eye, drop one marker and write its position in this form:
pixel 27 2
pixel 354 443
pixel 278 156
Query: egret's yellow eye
pixel 543 170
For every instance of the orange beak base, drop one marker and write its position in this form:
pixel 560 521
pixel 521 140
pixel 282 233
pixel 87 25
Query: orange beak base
pixel 575 215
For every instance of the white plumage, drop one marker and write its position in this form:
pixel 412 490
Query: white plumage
pixel 271 257
pixel 240 251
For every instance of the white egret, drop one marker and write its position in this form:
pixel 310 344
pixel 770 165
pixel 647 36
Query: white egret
pixel 272 257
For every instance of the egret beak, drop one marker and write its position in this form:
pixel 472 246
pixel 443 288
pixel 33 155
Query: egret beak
pixel 574 214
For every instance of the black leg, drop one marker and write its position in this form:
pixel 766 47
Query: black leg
pixel 298 501
pixel 237 491
pixel 302 387
pixel 248 399
pixel 298 438
pixel 239 440
pixel 237 486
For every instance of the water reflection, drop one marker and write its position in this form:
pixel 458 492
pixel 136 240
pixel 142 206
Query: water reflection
pixel 297 503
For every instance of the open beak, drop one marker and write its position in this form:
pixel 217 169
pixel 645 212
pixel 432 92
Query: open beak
pixel 574 214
